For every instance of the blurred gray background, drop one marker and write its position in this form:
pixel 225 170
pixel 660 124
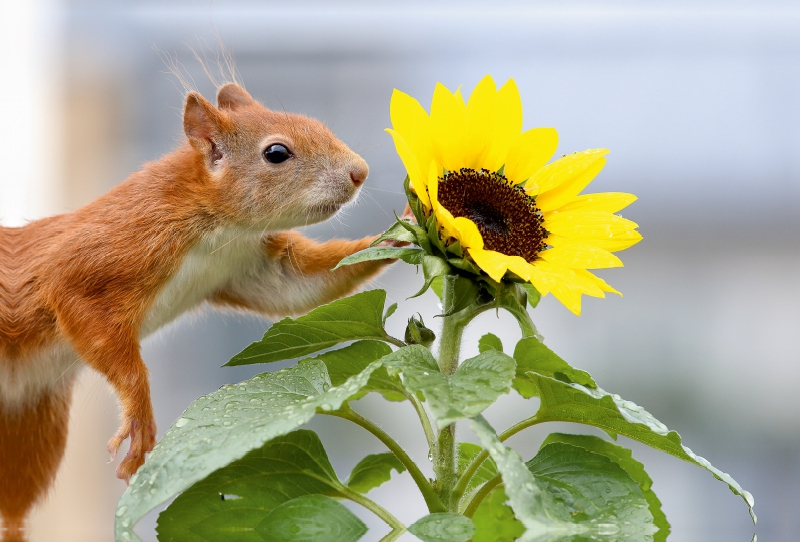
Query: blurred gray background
pixel 698 102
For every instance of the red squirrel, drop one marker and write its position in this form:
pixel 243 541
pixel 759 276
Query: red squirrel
pixel 209 222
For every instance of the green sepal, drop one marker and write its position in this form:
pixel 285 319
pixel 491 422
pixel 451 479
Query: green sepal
pixel 433 234
pixel 464 293
pixel 414 202
pixel 465 264
pixel 432 267
pixel 396 232
pixel 533 294
pixel 455 248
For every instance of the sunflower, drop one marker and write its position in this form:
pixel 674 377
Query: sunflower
pixel 490 188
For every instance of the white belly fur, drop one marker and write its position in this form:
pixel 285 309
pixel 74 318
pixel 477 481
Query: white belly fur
pixel 207 267
pixel 48 370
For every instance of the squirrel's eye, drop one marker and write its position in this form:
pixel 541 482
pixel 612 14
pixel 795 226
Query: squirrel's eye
pixel 275 154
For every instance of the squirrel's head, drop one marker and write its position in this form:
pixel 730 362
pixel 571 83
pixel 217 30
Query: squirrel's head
pixel 277 169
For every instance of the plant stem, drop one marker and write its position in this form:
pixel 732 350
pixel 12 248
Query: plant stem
pixel 397 526
pixel 444 453
pixel 392 340
pixel 482 493
pixel 512 298
pixel 430 436
pixel 428 493
pixel 475 464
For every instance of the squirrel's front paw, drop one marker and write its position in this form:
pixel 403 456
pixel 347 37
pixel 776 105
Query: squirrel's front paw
pixel 143 439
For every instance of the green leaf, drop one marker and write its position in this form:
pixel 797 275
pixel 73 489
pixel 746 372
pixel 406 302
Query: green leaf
pixel 389 311
pixel 567 491
pixel 397 232
pixel 351 360
pixel 531 355
pixel 494 520
pixel 488 470
pixel 239 497
pixel 359 316
pixel 373 471
pixel 570 402
pixel 490 341
pixel 589 489
pixel 524 494
pixel 407 254
pixel 464 290
pixel 223 426
pixel 477 383
pixel 312 518
pixel 432 267
pixel 533 294
pixel 443 527
pixel 621 456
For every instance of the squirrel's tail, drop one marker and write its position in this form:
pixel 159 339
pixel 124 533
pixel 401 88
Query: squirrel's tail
pixel 32 442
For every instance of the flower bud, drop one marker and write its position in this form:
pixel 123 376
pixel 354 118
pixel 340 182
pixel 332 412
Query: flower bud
pixel 417 333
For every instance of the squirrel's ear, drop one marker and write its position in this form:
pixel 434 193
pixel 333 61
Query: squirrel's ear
pixel 202 122
pixel 231 96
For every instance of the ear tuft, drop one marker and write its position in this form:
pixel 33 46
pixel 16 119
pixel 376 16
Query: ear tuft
pixel 232 96
pixel 201 120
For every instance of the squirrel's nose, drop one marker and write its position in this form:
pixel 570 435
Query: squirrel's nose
pixel 359 172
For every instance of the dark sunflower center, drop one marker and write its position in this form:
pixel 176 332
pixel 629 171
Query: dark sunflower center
pixel 508 219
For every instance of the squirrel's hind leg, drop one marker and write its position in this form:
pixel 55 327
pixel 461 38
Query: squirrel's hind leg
pixel 32 443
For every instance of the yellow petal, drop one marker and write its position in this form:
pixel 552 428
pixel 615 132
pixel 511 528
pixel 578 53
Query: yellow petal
pixel 411 121
pixel 519 266
pixel 468 233
pixel 412 167
pixel 507 126
pixel 598 281
pixel 567 285
pixel 619 241
pixel 433 185
pixel 493 263
pixel 587 224
pixel 611 202
pixel 448 126
pixel 529 152
pixel 446 221
pixel 564 170
pixel 481 119
pixel 566 191
pixel 580 256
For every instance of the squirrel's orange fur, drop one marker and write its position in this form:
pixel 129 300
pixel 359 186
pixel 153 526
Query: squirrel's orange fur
pixel 207 222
